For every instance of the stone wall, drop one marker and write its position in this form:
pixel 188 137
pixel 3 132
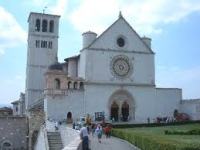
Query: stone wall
pixel 36 119
pixel 14 130
pixel 191 107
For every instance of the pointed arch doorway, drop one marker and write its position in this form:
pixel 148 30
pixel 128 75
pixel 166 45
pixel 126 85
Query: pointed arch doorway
pixel 114 112
pixel 121 106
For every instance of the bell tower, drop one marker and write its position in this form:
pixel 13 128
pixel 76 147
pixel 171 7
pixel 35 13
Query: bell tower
pixel 43 30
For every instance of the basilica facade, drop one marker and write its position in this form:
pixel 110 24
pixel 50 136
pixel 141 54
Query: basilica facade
pixel 113 75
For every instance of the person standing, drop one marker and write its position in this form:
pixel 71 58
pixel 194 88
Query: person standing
pixel 85 138
pixel 99 132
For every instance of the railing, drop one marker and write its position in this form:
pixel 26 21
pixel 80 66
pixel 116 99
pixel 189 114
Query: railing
pixel 55 92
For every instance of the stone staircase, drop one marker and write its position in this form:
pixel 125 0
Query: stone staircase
pixel 54 140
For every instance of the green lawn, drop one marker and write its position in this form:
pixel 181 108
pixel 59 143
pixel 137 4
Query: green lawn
pixel 152 138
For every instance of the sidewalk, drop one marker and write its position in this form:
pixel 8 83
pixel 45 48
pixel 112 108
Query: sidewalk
pixel 110 144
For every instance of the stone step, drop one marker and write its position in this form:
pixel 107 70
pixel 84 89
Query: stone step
pixel 55 148
pixel 55 141
pixel 54 138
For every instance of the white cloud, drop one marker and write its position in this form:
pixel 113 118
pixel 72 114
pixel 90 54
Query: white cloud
pixel 11 86
pixel 146 16
pixel 2 51
pixel 11 33
pixel 59 8
pixel 37 3
pixel 187 79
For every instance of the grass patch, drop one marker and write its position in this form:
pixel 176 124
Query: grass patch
pixel 154 138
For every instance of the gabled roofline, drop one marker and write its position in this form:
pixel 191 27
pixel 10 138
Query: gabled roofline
pixel 120 17
pixel 137 35
pixel 72 57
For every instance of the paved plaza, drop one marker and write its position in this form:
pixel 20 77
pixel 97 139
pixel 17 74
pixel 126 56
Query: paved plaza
pixel 110 144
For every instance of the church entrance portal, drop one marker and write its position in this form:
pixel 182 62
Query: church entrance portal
pixel 121 106
pixel 114 112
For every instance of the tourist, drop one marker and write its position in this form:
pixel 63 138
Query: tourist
pixel 56 125
pixel 109 130
pixel 93 127
pixel 106 131
pixel 99 132
pixel 148 120
pixel 84 137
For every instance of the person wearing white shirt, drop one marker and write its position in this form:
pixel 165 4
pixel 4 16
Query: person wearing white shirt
pixel 84 137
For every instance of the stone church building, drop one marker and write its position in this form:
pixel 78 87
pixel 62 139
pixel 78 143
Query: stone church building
pixel 113 76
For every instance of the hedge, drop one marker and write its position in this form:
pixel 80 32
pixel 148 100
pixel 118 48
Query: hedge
pixel 147 142
pixel 153 124
pixel 190 132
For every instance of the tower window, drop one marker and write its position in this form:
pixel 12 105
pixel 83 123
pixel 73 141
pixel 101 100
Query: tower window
pixel 37 43
pixel 37 25
pixel 51 26
pixel 44 25
pixel 44 44
pixel 50 45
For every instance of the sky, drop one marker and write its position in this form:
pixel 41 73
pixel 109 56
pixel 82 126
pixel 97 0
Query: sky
pixel 173 26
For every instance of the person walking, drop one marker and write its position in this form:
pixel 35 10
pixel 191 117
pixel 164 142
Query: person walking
pixel 99 132
pixel 84 137
pixel 93 127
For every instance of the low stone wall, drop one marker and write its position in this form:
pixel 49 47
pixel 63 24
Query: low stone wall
pixel 42 141
pixel 14 130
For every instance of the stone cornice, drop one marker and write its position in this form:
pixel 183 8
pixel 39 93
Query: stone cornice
pixel 118 84
pixel 168 89
pixel 42 35
pixel 115 50
pixel 40 66
pixel 35 90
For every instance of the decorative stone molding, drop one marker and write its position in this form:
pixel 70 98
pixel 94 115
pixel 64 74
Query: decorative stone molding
pixel 121 67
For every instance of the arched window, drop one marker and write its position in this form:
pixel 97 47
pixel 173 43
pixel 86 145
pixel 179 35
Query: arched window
pixel 75 85
pixel 51 26
pixel 6 145
pixel 69 85
pixel 44 25
pixel 37 25
pixel 81 85
pixel 57 83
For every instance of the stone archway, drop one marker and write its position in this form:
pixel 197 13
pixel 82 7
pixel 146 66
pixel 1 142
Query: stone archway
pixel 69 117
pixel 121 106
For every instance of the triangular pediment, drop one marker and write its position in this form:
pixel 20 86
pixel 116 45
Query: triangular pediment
pixel 120 29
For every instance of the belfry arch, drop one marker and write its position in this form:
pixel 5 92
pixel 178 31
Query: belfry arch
pixel 121 106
